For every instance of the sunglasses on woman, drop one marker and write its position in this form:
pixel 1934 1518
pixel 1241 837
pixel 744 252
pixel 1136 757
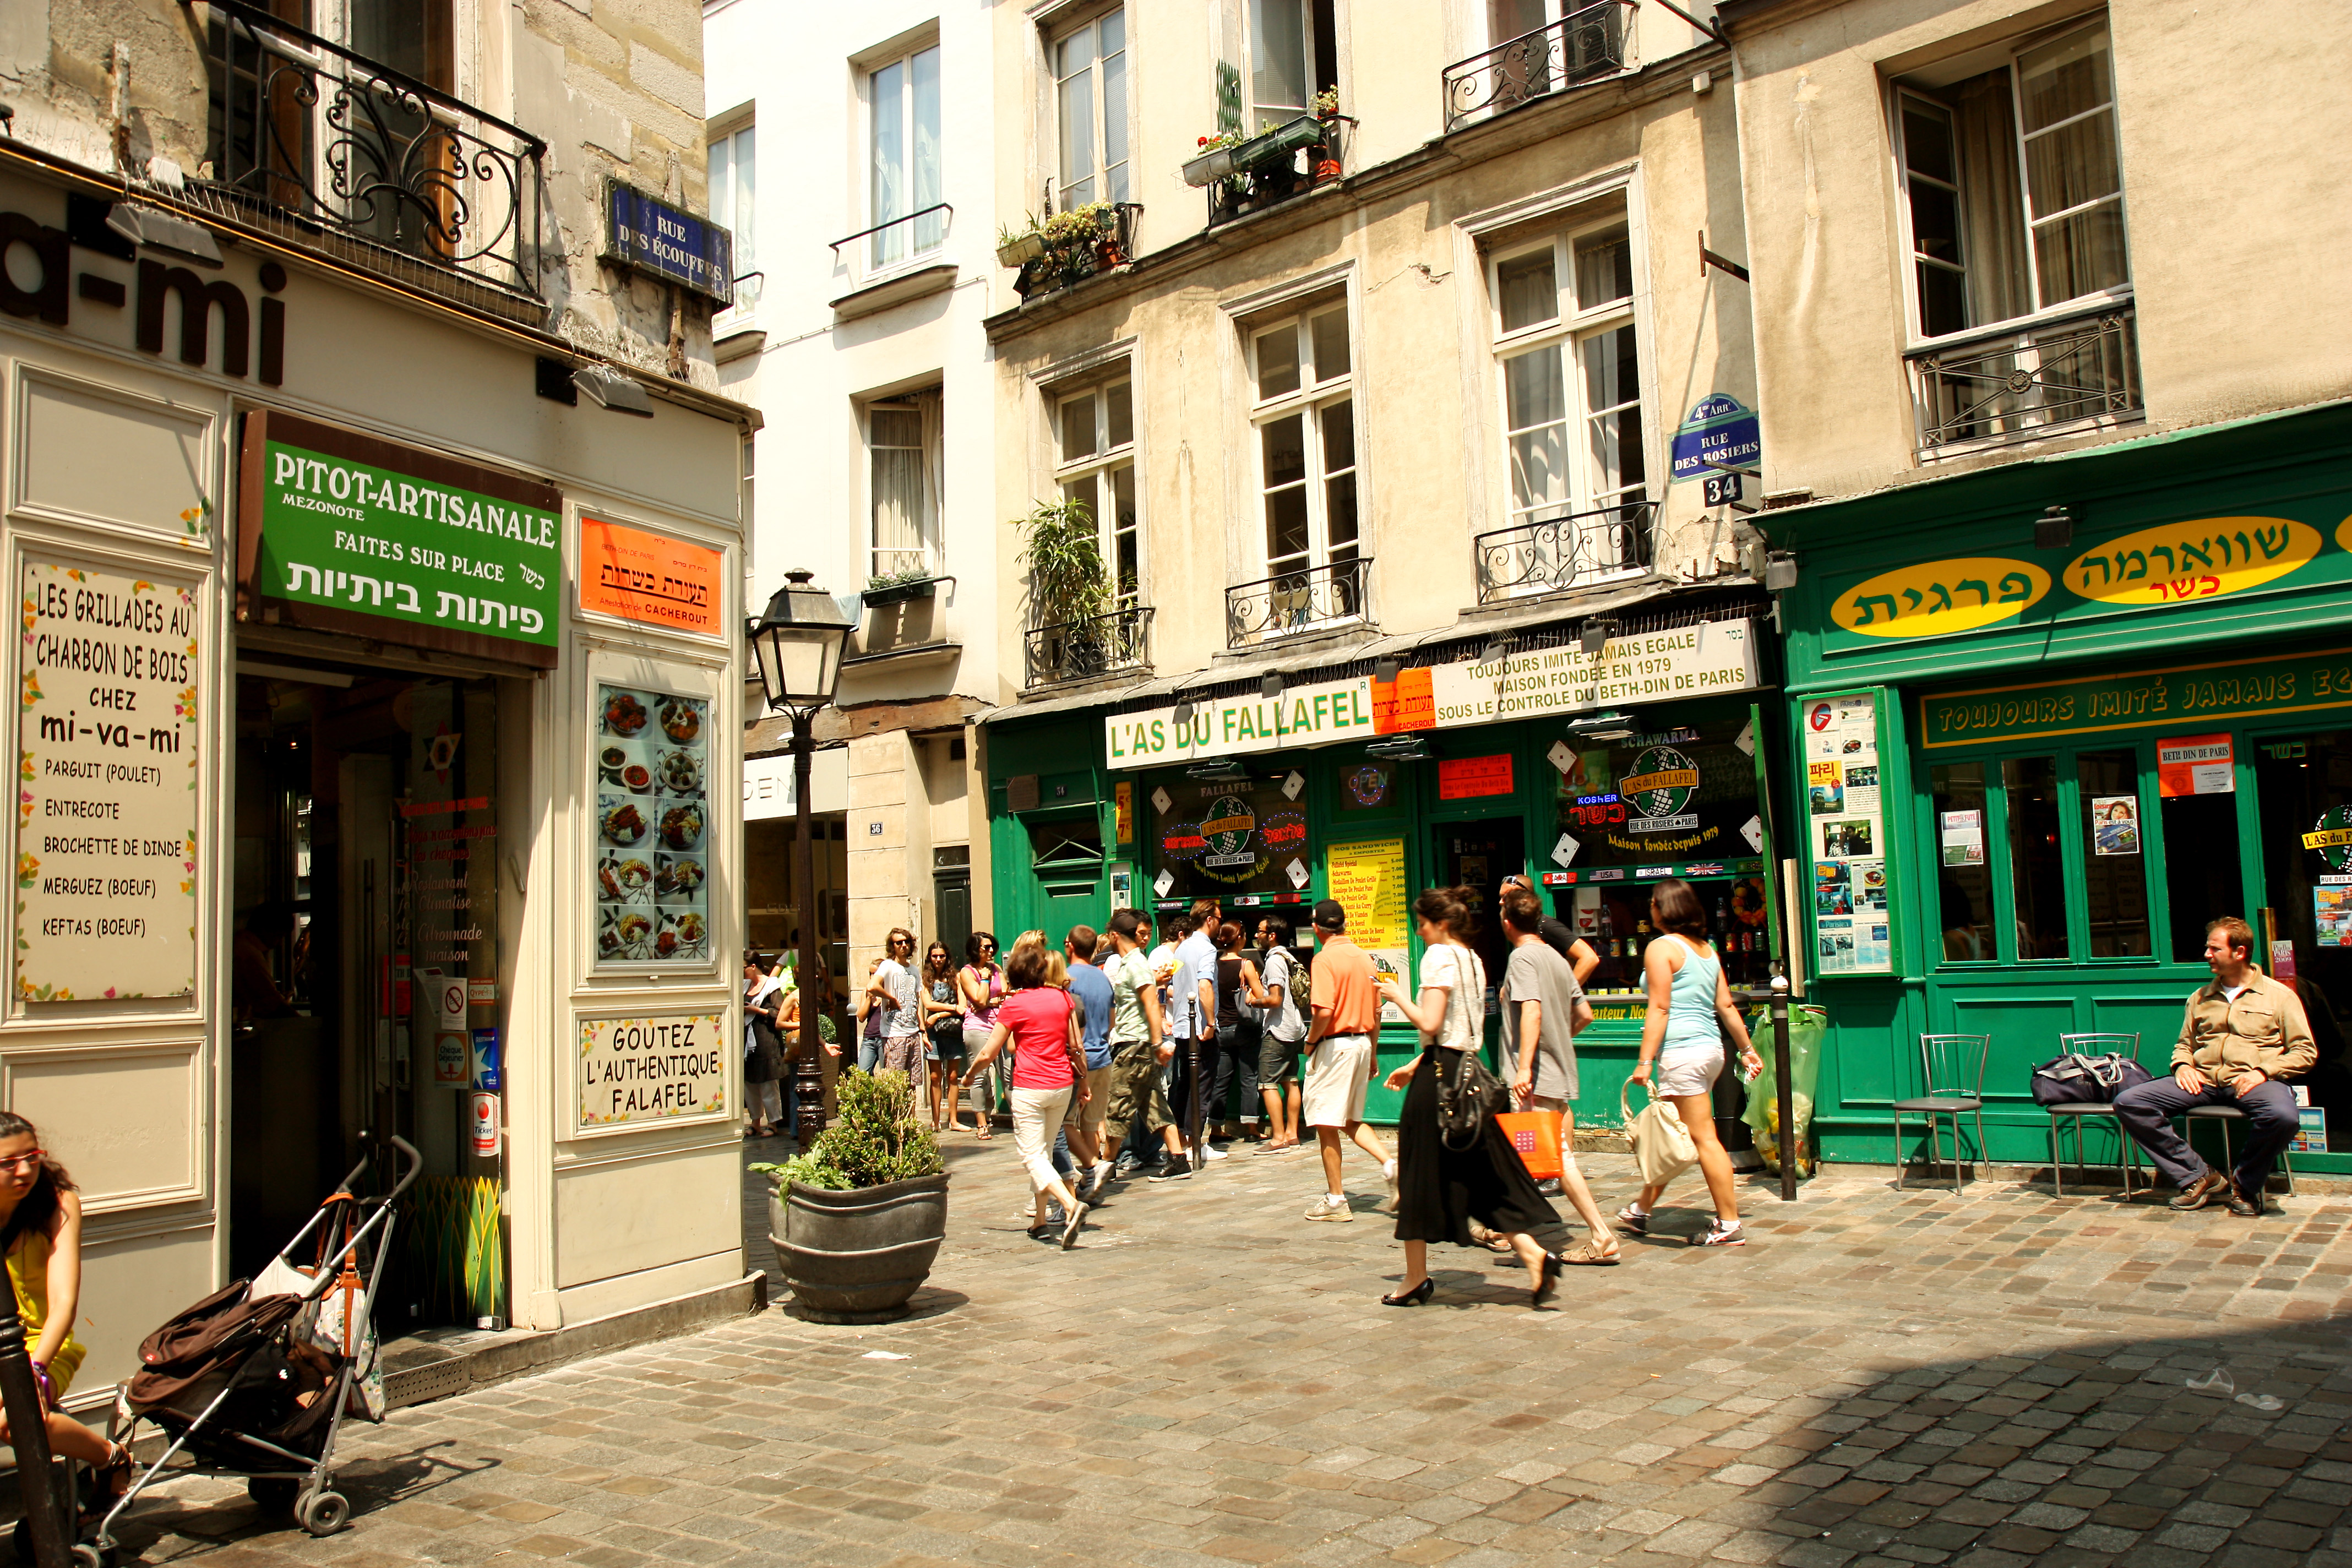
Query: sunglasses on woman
pixel 31 1162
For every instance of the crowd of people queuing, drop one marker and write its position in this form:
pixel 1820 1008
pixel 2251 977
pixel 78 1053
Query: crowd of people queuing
pixel 1149 1050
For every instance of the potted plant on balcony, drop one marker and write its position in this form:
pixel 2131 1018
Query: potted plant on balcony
pixel 1075 241
pixel 1323 158
pixel 1068 585
pixel 895 587
pixel 1015 247
pixel 857 1221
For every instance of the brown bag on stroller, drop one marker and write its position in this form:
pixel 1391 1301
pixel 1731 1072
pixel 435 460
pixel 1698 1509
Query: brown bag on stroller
pixel 201 1345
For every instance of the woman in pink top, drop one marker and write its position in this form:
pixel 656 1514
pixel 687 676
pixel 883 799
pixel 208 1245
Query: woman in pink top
pixel 1040 1021
pixel 980 985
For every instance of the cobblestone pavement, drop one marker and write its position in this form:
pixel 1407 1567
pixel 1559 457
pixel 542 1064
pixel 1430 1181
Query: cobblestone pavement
pixel 1879 1377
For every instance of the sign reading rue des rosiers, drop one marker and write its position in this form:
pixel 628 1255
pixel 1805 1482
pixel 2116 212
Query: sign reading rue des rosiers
pixel 346 532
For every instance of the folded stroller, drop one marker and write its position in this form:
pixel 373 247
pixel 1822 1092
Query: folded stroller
pixel 255 1380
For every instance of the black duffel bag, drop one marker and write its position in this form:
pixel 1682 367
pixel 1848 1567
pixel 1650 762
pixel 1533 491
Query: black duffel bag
pixel 2077 1079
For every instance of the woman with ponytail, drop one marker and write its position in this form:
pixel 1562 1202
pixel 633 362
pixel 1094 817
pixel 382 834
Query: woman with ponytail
pixel 41 1233
pixel 1440 1189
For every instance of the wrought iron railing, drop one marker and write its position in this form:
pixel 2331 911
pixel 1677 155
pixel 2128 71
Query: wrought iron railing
pixel 1584 45
pixel 1547 555
pixel 899 239
pixel 303 129
pixel 2027 382
pixel 1079 650
pixel 1058 269
pixel 1298 600
pixel 1293 167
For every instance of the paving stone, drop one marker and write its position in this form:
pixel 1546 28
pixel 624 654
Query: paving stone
pixel 1205 1382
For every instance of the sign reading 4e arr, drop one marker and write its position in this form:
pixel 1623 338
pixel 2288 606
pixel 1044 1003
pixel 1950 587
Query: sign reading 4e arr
pixel 346 532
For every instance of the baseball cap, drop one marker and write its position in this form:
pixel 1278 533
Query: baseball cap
pixel 1331 914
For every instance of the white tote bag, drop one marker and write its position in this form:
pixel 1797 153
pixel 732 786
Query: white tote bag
pixel 1661 1143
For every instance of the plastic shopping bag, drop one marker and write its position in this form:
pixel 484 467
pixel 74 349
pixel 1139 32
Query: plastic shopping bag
pixel 1534 1135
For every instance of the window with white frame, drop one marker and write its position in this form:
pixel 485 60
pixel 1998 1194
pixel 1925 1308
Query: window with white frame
pixel 1294 53
pixel 906 483
pixel 1303 423
pixel 1089 64
pixel 903 155
pixel 2013 184
pixel 1574 436
pixel 734 184
pixel 1095 466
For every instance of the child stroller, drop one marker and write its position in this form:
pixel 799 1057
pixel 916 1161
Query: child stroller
pixel 255 1380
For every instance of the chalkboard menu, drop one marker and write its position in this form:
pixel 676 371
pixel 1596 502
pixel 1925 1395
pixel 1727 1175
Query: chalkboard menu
pixel 106 803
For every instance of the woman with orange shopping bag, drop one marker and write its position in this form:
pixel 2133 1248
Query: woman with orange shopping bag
pixel 1691 1014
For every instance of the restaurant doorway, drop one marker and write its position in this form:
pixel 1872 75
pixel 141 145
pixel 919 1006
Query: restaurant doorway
pixel 364 986
pixel 1478 855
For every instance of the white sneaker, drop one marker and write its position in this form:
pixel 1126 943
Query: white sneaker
pixel 1095 1177
pixel 1388 1175
pixel 1327 1207
pixel 1211 1151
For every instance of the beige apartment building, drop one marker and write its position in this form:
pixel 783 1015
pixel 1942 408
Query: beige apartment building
pixel 1414 432
pixel 373 508
pixel 2051 306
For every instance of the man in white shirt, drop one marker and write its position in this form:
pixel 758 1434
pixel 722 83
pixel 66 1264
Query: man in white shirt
pixel 893 987
pixel 1284 1031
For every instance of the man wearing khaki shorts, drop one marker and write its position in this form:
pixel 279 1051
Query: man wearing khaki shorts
pixel 1083 1126
pixel 1339 1057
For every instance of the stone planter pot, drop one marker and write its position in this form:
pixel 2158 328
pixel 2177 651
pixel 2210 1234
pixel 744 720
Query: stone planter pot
pixel 856 1257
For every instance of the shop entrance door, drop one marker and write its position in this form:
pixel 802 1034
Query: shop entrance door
pixel 2304 788
pixel 1478 856
pixel 365 959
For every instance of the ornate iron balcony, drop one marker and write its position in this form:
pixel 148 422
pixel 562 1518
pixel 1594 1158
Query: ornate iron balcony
pixel 1288 161
pixel 1549 555
pixel 1582 46
pixel 1080 650
pixel 328 147
pixel 2016 384
pixel 1303 599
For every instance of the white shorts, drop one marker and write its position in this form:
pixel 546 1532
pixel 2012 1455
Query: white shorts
pixel 1339 1074
pixel 1681 1075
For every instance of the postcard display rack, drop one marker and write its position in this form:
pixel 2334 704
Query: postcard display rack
pixel 1847 823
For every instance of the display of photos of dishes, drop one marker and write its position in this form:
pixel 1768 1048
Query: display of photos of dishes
pixel 1847 829
pixel 653 826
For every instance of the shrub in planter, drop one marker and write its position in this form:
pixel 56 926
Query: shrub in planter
pixel 857 1220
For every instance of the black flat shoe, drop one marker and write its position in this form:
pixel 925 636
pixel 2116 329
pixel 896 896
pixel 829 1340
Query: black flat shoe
pixel 1543 1292
pixel 1414 1297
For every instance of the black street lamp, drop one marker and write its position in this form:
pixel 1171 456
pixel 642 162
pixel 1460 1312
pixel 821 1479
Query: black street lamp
pixel 797 644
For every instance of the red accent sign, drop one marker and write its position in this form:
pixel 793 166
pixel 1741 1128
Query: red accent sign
pixel 1463 778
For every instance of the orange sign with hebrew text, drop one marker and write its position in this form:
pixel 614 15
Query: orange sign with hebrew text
pixel 650 578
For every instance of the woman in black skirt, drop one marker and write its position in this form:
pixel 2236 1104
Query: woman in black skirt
pixel 1440 1189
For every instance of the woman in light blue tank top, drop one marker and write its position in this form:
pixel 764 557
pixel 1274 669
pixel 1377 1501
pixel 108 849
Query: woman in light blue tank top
pixel 1691 1014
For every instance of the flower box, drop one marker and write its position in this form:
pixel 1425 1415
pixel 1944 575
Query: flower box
pixel 1019 248
pixel 878 594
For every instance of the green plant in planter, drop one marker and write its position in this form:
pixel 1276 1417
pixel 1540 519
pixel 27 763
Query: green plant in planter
pixel 876 1140
pixel 1068 585
pixel 805 1169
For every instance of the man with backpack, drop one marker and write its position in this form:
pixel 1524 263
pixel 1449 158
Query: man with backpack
pixel 1284 997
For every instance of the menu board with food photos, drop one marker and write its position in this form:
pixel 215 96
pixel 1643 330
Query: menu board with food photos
pixel 653 826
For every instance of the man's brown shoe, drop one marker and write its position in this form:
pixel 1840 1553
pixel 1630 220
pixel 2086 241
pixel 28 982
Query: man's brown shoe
pixel 2244 1206
pixel 2201 1191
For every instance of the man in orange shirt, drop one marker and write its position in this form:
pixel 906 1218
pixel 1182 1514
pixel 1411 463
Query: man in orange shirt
pixel 1339 1057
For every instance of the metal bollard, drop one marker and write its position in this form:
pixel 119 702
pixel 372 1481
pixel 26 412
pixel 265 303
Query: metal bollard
pixel 1784 1091
pixel 28 1433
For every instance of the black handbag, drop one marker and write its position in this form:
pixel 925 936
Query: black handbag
pixel 2077 1079
pixel 1468 1095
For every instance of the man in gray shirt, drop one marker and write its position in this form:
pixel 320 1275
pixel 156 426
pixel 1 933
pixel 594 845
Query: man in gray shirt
pixel 1543 1006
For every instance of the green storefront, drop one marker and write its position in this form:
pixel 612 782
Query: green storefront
pixel 1369 790
pixel 2046 719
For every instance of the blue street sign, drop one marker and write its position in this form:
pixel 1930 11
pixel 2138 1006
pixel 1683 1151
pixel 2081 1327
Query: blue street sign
pixel 1718 429
pixel 654 236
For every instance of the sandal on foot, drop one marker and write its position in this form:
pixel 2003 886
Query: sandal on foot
pixel 1591 1254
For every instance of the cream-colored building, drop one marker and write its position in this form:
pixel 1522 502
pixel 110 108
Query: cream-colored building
pixel 1405 397
pixel 373 507
pixel 860 342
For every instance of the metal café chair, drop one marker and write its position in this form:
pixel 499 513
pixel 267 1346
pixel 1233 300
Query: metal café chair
pixel 2226 1114
pixel 2127 1155
pixel 1954 1066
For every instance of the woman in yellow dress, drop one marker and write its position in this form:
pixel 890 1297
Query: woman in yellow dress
pixel 40 1232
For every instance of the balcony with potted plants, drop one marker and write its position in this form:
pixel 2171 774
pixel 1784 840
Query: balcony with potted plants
pixel 1083 625
pixel 1285 159
pixel 1065 249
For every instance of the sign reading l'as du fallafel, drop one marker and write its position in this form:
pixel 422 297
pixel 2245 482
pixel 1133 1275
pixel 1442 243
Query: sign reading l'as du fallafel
pixel 350 533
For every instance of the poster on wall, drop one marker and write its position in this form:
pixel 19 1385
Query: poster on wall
pixel 635 574
pixel 653 828
pixel 651 1069
pixel 106 794
pixel 2195 764
pixel 1853 926
pixel 1368 881
pixel 2114 824
pixel 1229 835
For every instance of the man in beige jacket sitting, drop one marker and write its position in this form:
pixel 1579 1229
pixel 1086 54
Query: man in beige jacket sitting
pixel 2243 1034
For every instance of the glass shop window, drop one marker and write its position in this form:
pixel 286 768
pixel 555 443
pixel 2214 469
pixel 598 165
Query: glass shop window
pixel 2115 871
pixel 2036 864
pixel 2203 876
pixel 1963 879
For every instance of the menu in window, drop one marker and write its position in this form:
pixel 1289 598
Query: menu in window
pixel 653 826
pixel 1846 827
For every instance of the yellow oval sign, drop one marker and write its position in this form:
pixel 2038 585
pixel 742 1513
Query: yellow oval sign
pixel 2202 559
pixel 1939 596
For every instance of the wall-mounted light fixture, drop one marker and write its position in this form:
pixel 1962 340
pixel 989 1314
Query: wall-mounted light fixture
pixel 1386 671
pixel 1606 725
pixel 1269 686
pixel 612 389
pixel 2054 529
pixel 1779 572
pixel 1398 748
pixel 1593 637
pixel 166 231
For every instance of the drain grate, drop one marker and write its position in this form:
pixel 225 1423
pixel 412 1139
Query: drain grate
pixel 422 1384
